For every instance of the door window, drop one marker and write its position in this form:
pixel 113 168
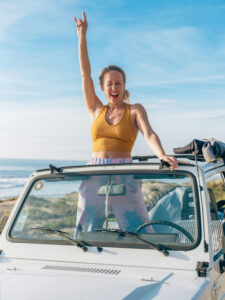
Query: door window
pixel 216 193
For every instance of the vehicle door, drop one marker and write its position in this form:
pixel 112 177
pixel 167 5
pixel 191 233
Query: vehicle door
pixel 216 192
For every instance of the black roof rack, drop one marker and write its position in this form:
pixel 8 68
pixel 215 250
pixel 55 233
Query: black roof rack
pixel 188 156
pixel 141 158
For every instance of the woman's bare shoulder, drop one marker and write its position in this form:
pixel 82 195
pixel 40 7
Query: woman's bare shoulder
pixel 137 108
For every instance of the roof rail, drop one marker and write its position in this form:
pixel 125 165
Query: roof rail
pixel 188 156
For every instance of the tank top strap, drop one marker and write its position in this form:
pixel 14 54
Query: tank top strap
pixel 127 108
pixel 103 109
pixel 126 114
pixel 101 114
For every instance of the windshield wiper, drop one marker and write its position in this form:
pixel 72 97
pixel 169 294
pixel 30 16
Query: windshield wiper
pixel 159 247
pixel 78 243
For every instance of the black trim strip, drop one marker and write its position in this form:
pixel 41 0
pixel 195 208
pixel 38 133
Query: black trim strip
pixel 217 255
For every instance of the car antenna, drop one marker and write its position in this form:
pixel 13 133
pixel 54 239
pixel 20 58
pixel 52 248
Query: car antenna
pixel 53 168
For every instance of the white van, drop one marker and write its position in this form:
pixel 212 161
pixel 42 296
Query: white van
pixel 177 254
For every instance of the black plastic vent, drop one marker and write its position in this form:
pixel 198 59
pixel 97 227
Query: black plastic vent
pixel 82 269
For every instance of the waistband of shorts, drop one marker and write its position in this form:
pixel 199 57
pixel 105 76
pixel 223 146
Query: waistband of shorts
pixel 109 161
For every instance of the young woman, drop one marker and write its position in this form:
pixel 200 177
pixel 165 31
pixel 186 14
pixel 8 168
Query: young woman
pixel 114 130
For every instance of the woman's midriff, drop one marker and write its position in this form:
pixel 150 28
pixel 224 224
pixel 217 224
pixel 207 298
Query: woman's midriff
pixel 111 154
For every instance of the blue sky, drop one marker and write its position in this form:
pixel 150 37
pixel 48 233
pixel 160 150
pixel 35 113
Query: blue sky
pixel 173 53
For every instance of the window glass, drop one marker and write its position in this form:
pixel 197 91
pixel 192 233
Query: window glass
pixel 160 208
pixel 216 193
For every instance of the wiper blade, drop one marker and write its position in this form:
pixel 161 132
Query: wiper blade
pixel 64 234
pixel 159 247
pixel 78 243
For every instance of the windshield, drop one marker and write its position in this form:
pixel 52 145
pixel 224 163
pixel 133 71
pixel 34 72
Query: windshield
pixel 160 208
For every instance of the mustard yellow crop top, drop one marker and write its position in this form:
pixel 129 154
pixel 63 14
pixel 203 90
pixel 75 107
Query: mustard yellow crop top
pixel 119 137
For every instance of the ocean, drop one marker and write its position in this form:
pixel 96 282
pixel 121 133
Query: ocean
pixel 15 172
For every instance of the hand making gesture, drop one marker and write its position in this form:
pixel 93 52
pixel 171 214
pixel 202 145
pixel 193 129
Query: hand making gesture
pixel 81 25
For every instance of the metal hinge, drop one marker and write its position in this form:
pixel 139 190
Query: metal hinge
pixel 206 247
pixel 201 268
pixel 163 164
pixel 222 265
pixel 55 169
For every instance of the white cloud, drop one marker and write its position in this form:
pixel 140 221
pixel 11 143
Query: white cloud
pixel 158 103
pixel 152 57
pixel 11 12
pixel 11 79
pixel 20 93
pixel 180 79
pixel 201 114
pixel 45 132
pixel 177 128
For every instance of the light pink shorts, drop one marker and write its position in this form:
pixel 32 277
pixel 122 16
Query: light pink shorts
pixel 129 209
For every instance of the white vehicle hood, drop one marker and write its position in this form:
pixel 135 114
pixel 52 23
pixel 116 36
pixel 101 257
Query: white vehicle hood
pixel 63 285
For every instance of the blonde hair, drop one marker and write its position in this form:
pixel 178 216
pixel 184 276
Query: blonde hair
pixel 126 94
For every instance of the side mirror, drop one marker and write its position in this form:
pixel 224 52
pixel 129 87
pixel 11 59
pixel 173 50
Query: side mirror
pixel 112 190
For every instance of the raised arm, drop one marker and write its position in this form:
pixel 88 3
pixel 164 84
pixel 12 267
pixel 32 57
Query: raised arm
pixel 92 101
pixel 151 137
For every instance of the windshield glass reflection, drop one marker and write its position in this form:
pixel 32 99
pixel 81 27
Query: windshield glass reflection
pixel 160 207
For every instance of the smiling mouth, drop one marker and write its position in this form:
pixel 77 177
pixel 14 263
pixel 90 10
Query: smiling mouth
pixel 114 95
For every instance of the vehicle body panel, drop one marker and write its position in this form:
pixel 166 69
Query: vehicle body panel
pixel 129 283
pixel 49 270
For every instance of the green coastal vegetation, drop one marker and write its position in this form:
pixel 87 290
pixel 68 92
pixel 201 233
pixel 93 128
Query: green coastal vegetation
pixel 218 188
pixel 54 212
pixel 5 209
pixel 60 212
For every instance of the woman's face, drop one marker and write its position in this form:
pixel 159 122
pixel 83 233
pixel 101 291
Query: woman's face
pixel 113 86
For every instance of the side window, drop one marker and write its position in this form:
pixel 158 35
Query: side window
pixel 216 192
